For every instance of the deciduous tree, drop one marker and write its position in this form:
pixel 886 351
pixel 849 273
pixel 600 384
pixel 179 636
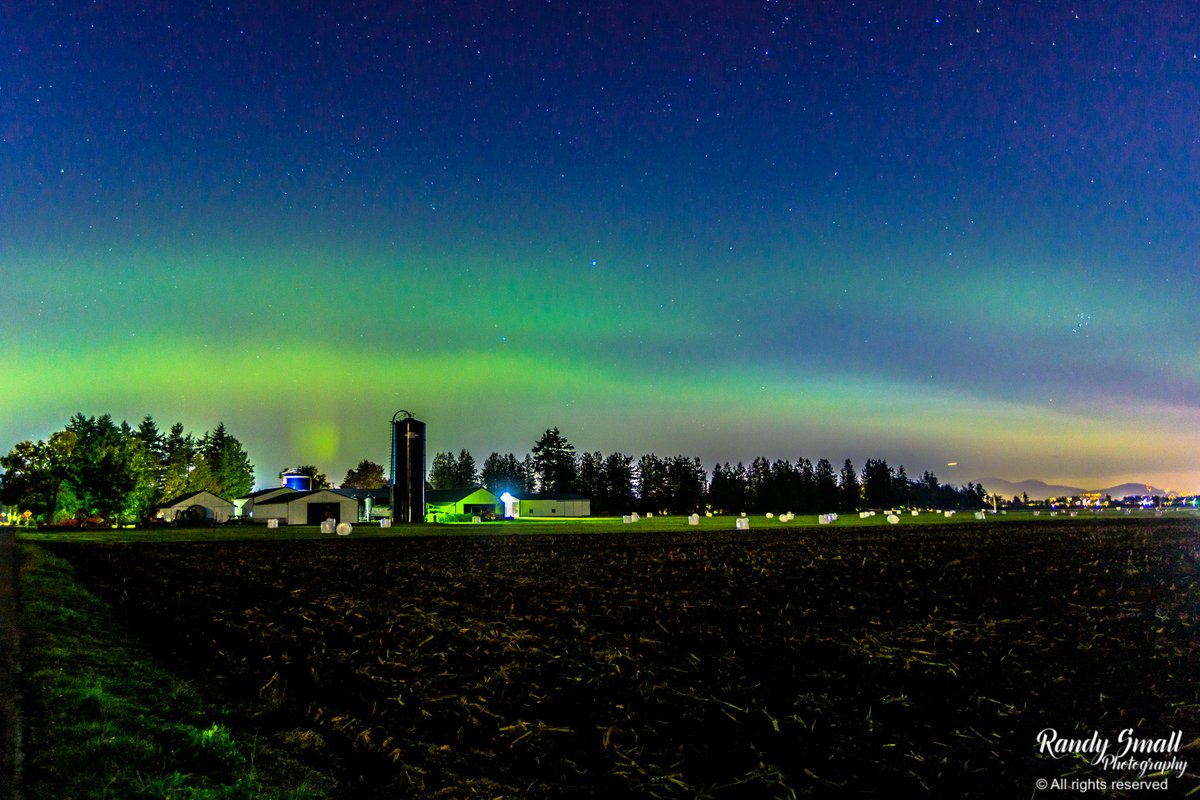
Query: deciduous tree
pixel 367 475
pixel 319 479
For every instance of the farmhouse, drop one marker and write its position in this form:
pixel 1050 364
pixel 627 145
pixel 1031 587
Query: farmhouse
pixel 198 507
pixel 548 504
pixel 307 508
pixel 244 506
pixel 474 500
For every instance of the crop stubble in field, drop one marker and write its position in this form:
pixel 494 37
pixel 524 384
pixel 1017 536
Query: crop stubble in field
pixel 820 663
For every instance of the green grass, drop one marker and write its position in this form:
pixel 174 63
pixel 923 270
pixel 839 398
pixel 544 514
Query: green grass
pixel 655 524
pixel 104 720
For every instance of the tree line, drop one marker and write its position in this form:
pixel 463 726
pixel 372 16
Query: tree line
pixel 618 483
pixel 94 467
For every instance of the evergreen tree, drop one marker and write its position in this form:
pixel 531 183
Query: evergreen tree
pixel 465 474
pixel 760 477
pixel 200 476
pixel 554 463
pixel 780 490
pixel 826 486
pixel 685 481
pixel 652 483
pixel 926 492
pixel 230 470
pixel 443 472
pixel 719 487
pixel 590 470
pixel 878 484
pixel 492 475
pixel 502 474
pixel 152 456
pixel 528 473
pixel 902 489
pixel 618 480
pixel 178 451
pixel 849 488
pixel 806 503
pixel 741 494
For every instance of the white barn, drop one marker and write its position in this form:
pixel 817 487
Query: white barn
pixel 307 508
pixel 202 506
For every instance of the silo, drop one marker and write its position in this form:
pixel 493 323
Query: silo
pixel 408 468
pixel 294 479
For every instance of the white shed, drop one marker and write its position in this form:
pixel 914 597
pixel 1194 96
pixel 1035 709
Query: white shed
pixel 307 508
pixel 202 506
pixel 553 504
pixel 244 506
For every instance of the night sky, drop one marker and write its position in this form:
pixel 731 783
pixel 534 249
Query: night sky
pixel 924 232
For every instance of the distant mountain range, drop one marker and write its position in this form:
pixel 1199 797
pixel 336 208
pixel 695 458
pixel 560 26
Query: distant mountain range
pixel 1039 490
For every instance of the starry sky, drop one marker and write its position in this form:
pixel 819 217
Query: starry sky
pixel 926 232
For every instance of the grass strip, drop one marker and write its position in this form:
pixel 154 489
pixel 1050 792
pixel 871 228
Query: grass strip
pixel 104 720
pixel 962 521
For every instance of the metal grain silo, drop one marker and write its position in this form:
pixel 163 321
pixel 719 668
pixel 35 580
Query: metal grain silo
pixel 294 479
pixel 408 468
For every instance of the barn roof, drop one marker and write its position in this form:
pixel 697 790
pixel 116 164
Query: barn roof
pixel 551 496
pixel 261 492
pixel 183 498
pixel 292 497
pixel 439 496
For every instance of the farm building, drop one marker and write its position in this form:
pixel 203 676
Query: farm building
pixel 307 508
pixel 198 506
pixel 474 500
pixel 244 506
pixel 372 503
pixel 548 504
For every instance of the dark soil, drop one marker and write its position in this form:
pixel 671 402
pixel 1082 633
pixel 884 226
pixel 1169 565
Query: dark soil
pixel 814 663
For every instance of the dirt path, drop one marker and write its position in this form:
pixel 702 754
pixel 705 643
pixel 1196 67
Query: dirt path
pixel 10 705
